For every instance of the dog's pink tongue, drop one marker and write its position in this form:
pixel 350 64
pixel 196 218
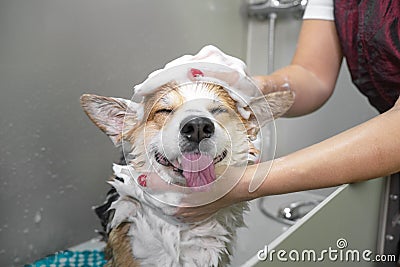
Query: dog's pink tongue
pixel 198 169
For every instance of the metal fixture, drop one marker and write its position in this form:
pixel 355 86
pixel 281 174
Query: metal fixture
pixel 290 213
pixel 296 210
pixel 270 10
pixel 263 10
pixel 389 232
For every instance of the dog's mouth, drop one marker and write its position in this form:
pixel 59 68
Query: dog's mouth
pixel 197 168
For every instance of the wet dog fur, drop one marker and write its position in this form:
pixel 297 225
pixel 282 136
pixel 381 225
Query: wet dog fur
pixel 144 127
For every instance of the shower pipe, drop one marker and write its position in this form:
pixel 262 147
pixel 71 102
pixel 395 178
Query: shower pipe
pixel 270 10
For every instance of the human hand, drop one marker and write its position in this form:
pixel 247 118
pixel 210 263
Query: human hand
pixel 273 83
pixel 196 204
pixel 194 214
pixel 228 189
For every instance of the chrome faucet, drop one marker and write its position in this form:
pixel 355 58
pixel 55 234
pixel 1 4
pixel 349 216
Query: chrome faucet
pixel 263 10
pixel 296 210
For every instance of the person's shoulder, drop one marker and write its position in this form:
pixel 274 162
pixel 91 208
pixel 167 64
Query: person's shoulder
pixel 319 9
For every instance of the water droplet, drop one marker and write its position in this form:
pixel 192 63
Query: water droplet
pixel 2 251
pixel 43 149
pixel 17 260
pixel 26 231
pixel 38 217
pixel 10 125
pixel 48 196
pixel 70 186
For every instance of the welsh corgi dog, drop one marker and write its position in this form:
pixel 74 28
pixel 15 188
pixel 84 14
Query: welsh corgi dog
pixel 184 132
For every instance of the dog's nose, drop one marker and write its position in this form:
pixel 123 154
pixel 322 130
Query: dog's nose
pixel 196 129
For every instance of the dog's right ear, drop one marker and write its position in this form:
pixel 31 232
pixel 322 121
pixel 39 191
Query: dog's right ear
pixel 267 108
pixel 111 115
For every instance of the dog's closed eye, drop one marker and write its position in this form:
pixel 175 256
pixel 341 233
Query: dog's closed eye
pixel 218 110
pixel 164 111
pixel 160 115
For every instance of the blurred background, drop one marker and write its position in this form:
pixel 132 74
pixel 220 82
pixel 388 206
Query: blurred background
pixel 53 160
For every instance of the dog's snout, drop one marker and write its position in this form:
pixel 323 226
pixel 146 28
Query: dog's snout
pixel 197 128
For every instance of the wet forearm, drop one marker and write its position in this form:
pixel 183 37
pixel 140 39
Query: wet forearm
pixel 314 69
pixel 364 152
pixel 310 92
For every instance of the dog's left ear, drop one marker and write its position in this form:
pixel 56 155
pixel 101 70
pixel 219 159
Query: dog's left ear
pixel 268 107
pixel 111 114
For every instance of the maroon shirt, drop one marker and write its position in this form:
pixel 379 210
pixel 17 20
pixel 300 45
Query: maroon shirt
pixel 369 33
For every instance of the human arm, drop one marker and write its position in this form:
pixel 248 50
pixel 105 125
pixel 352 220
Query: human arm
pixel 314 69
